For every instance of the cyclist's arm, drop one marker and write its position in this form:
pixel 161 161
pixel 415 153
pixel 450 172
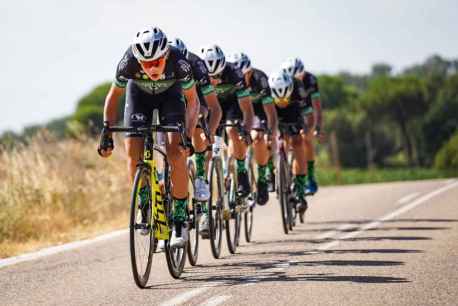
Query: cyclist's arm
pixel 110 111
pixel 272 118
pixel 215 111
pixel 247 110
pixel 317 113
pixel 192 109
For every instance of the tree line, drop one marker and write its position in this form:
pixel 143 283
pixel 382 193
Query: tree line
pixel 380 119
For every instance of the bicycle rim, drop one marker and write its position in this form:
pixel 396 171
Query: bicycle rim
pixel 232 221
pixel 176 259
pixel 194 217
pixel 141 245
pixel 215 216
pixel 283 193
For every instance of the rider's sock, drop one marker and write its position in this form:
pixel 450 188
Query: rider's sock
pixel 311 169
pixel 300 182
pixel 241 165
pixel 262 171
pixel 179 214
pixel 270 165
pixel 200 164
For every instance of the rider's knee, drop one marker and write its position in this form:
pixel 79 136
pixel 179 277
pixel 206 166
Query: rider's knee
pixel 175 154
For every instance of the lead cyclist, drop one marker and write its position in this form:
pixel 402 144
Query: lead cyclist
pixel 155 76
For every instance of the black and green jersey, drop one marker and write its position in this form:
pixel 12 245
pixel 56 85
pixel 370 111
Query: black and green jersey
pixel 232 86
pixel 259 87
pixel 310 86
pixel 200 73
pixel 177 69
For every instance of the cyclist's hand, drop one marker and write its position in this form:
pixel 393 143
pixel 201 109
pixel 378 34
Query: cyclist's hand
pixel 106 144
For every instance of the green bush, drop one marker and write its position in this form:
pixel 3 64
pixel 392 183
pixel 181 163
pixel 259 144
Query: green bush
pixel 447 157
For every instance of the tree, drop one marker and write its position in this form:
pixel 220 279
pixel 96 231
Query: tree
pixel 399 99
pixel 89 110
pixel 381 69
pixel 335 93
pixel 441 121
pixel 447 157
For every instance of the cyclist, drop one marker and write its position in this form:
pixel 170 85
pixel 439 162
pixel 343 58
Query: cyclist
pixel 155 76
pixel 265 118
pixel 288 96
pixel 234 97
pixel 209 105
pixel 313 113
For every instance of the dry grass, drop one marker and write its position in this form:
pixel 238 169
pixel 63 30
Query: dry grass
pixel 56 191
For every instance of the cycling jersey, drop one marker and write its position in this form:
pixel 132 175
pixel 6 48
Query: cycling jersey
pixel 232 85
pixel 177 70
pixel 231 88
pixel 291 115
pixel 200 72
pixel 310 84
pixel 260 95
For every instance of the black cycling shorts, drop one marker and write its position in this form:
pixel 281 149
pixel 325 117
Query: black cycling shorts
pixel 231 111
pixel 290 120
pixel 139 107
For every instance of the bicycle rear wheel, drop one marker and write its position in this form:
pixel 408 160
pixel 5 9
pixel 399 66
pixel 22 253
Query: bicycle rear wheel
pixel 249 212
pixel 194 218
pixel 215 206
pixel 232 218
pixel 283 192
pixel 141 233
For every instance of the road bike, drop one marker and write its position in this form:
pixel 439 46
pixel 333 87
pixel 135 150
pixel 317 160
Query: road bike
pixel 151 219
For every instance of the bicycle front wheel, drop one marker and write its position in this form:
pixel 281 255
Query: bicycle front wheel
pixel 194 218
pixel 142 242
pixel 215 206
pixel 283 192
pixel 232 216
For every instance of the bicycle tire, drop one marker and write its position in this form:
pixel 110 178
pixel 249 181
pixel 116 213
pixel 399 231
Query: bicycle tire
pixel 283 192
pixel 215 213
pixel 232 220
pixel 194 218
pixel 141 279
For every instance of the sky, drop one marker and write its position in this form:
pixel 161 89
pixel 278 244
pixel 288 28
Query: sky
pixel 53 51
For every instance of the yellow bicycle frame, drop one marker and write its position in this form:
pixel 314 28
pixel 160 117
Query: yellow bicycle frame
pixel 161 228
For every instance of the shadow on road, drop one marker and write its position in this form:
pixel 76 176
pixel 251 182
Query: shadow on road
pixel 387 221
pixel 355 228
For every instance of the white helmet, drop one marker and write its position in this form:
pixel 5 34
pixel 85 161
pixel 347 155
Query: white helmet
pixel 293 66
pixel 281 85
pixel 149 44
pixel 241 61
pixel 214 59
pixel 299 67
pixel 179 44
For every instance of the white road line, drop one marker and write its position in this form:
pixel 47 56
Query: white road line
pixel 390 216
pixel 408 197
pixel 214 301
pixel 334 232
pixel 184 297
pixel 58 249
pixel 450 181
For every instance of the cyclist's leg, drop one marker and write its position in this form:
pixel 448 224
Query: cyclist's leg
pixel 312 185
pixel 238 149
pixel 261 154
pixel 172 111
pixel 200 143
pixel 137 113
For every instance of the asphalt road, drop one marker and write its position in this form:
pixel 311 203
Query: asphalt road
pixel 376 244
